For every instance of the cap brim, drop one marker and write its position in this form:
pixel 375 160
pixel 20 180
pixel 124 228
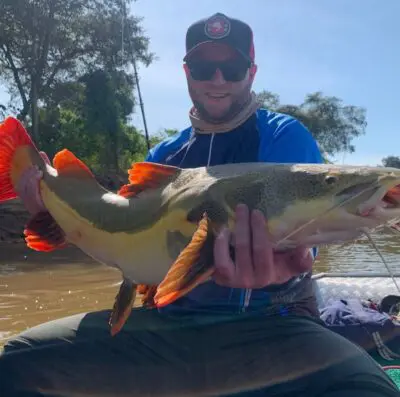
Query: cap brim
pixel 197 46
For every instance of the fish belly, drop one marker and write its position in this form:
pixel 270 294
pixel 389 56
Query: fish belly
pixel 139 257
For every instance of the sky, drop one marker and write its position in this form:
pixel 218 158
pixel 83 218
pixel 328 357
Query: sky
pixel 348 49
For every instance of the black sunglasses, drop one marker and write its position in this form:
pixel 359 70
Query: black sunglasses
pixel 232 70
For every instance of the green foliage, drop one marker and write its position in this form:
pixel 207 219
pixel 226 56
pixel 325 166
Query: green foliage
pixel 332 124
pixel 155 139
pixel 391 161
pixel 53 42
pixel 64 63
pixel 91 121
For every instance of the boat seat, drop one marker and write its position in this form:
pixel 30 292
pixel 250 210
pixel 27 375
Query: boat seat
pixel 334 286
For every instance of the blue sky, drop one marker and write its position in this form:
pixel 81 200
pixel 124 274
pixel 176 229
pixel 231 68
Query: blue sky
pixel 349 49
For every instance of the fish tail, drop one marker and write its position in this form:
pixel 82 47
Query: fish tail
pixel 15 158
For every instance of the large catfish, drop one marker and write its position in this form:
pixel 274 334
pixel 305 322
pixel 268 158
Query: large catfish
pixel 159 229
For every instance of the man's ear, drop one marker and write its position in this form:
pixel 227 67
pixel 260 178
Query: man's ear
pixel 186 69
pixel 252 72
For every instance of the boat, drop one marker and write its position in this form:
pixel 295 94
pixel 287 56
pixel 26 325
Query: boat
pixel 361 285
pixel 380 338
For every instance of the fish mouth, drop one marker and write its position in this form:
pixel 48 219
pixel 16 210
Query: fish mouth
pixel 380 201
pixel 357 208
pixel 389 208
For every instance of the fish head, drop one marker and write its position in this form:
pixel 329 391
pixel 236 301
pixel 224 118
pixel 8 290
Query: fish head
pixel 368 192
pixel 311 203
pixel 337 203
pixel 308 203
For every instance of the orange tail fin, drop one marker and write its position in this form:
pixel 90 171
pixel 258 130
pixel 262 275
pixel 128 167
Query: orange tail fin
pixel 13 137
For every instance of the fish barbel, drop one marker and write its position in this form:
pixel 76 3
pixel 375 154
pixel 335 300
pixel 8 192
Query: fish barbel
pixel 159 228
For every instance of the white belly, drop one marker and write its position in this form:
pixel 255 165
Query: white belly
pixel 138 258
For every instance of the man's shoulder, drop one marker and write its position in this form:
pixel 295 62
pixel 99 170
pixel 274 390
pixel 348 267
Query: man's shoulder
pixel 285 139
pixel 168 145
pixel 278 123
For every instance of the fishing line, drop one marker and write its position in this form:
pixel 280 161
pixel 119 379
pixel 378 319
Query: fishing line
pixel 366 232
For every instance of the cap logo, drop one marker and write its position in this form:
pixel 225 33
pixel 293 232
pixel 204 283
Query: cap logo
pixel 217 27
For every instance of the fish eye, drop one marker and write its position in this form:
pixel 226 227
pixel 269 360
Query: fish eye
pixel 330 179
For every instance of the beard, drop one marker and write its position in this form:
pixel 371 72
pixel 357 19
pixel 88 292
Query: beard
pixel 239 101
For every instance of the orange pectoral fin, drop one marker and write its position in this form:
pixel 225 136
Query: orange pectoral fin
pixel 143 176
pixel 193 266
pixel 42 233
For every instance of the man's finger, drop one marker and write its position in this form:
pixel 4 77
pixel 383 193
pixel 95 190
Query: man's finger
pixel 293 263
pixel 243 257
pixel 263 262
pixel 224 267
pixel 301 260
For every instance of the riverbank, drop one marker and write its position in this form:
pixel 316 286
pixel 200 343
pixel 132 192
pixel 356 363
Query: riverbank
pixel 13 217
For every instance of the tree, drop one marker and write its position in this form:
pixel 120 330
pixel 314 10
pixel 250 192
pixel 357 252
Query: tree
pixel 332 124
pixel 52 42
pixel 3 110
pixel 91 120
pixel 104 115
pixel 391 161
pixel 161 135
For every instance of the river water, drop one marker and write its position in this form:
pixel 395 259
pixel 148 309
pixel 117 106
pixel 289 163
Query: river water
pixel 37 287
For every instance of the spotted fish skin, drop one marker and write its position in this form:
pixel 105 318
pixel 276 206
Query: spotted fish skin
pixel 292 195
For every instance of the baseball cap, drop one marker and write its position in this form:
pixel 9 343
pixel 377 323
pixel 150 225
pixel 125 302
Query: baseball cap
pixel 223 29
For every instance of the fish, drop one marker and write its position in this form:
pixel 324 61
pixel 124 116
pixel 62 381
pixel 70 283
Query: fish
pixel 159 229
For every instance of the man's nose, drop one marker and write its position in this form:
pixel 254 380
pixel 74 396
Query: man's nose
pixel 218 78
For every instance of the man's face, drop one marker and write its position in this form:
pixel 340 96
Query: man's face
pixel 217 98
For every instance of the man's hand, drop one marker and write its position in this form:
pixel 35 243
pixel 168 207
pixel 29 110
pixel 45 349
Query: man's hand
pixel 28 188
pixel 256 265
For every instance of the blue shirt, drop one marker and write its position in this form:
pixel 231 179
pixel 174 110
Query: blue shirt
pixel 265 136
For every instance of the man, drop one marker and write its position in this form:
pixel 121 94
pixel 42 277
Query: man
pixel 253 330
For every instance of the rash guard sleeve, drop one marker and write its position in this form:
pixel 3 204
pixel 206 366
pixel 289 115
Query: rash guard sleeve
pixel 289 142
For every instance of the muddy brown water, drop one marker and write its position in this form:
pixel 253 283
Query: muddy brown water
pixel 38 287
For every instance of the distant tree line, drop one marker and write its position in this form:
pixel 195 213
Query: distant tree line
pixel 65 64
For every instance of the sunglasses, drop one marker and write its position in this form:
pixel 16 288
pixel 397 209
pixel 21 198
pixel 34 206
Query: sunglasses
pixel 232 70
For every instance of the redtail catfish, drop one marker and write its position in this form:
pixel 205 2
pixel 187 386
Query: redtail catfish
pixel 159 228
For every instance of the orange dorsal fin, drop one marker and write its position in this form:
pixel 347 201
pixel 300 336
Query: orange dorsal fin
pixel 143 176
pixel 67 164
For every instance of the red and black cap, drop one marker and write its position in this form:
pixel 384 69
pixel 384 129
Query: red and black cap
pixel 220 28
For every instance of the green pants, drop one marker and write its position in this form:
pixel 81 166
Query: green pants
pixel 154 355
